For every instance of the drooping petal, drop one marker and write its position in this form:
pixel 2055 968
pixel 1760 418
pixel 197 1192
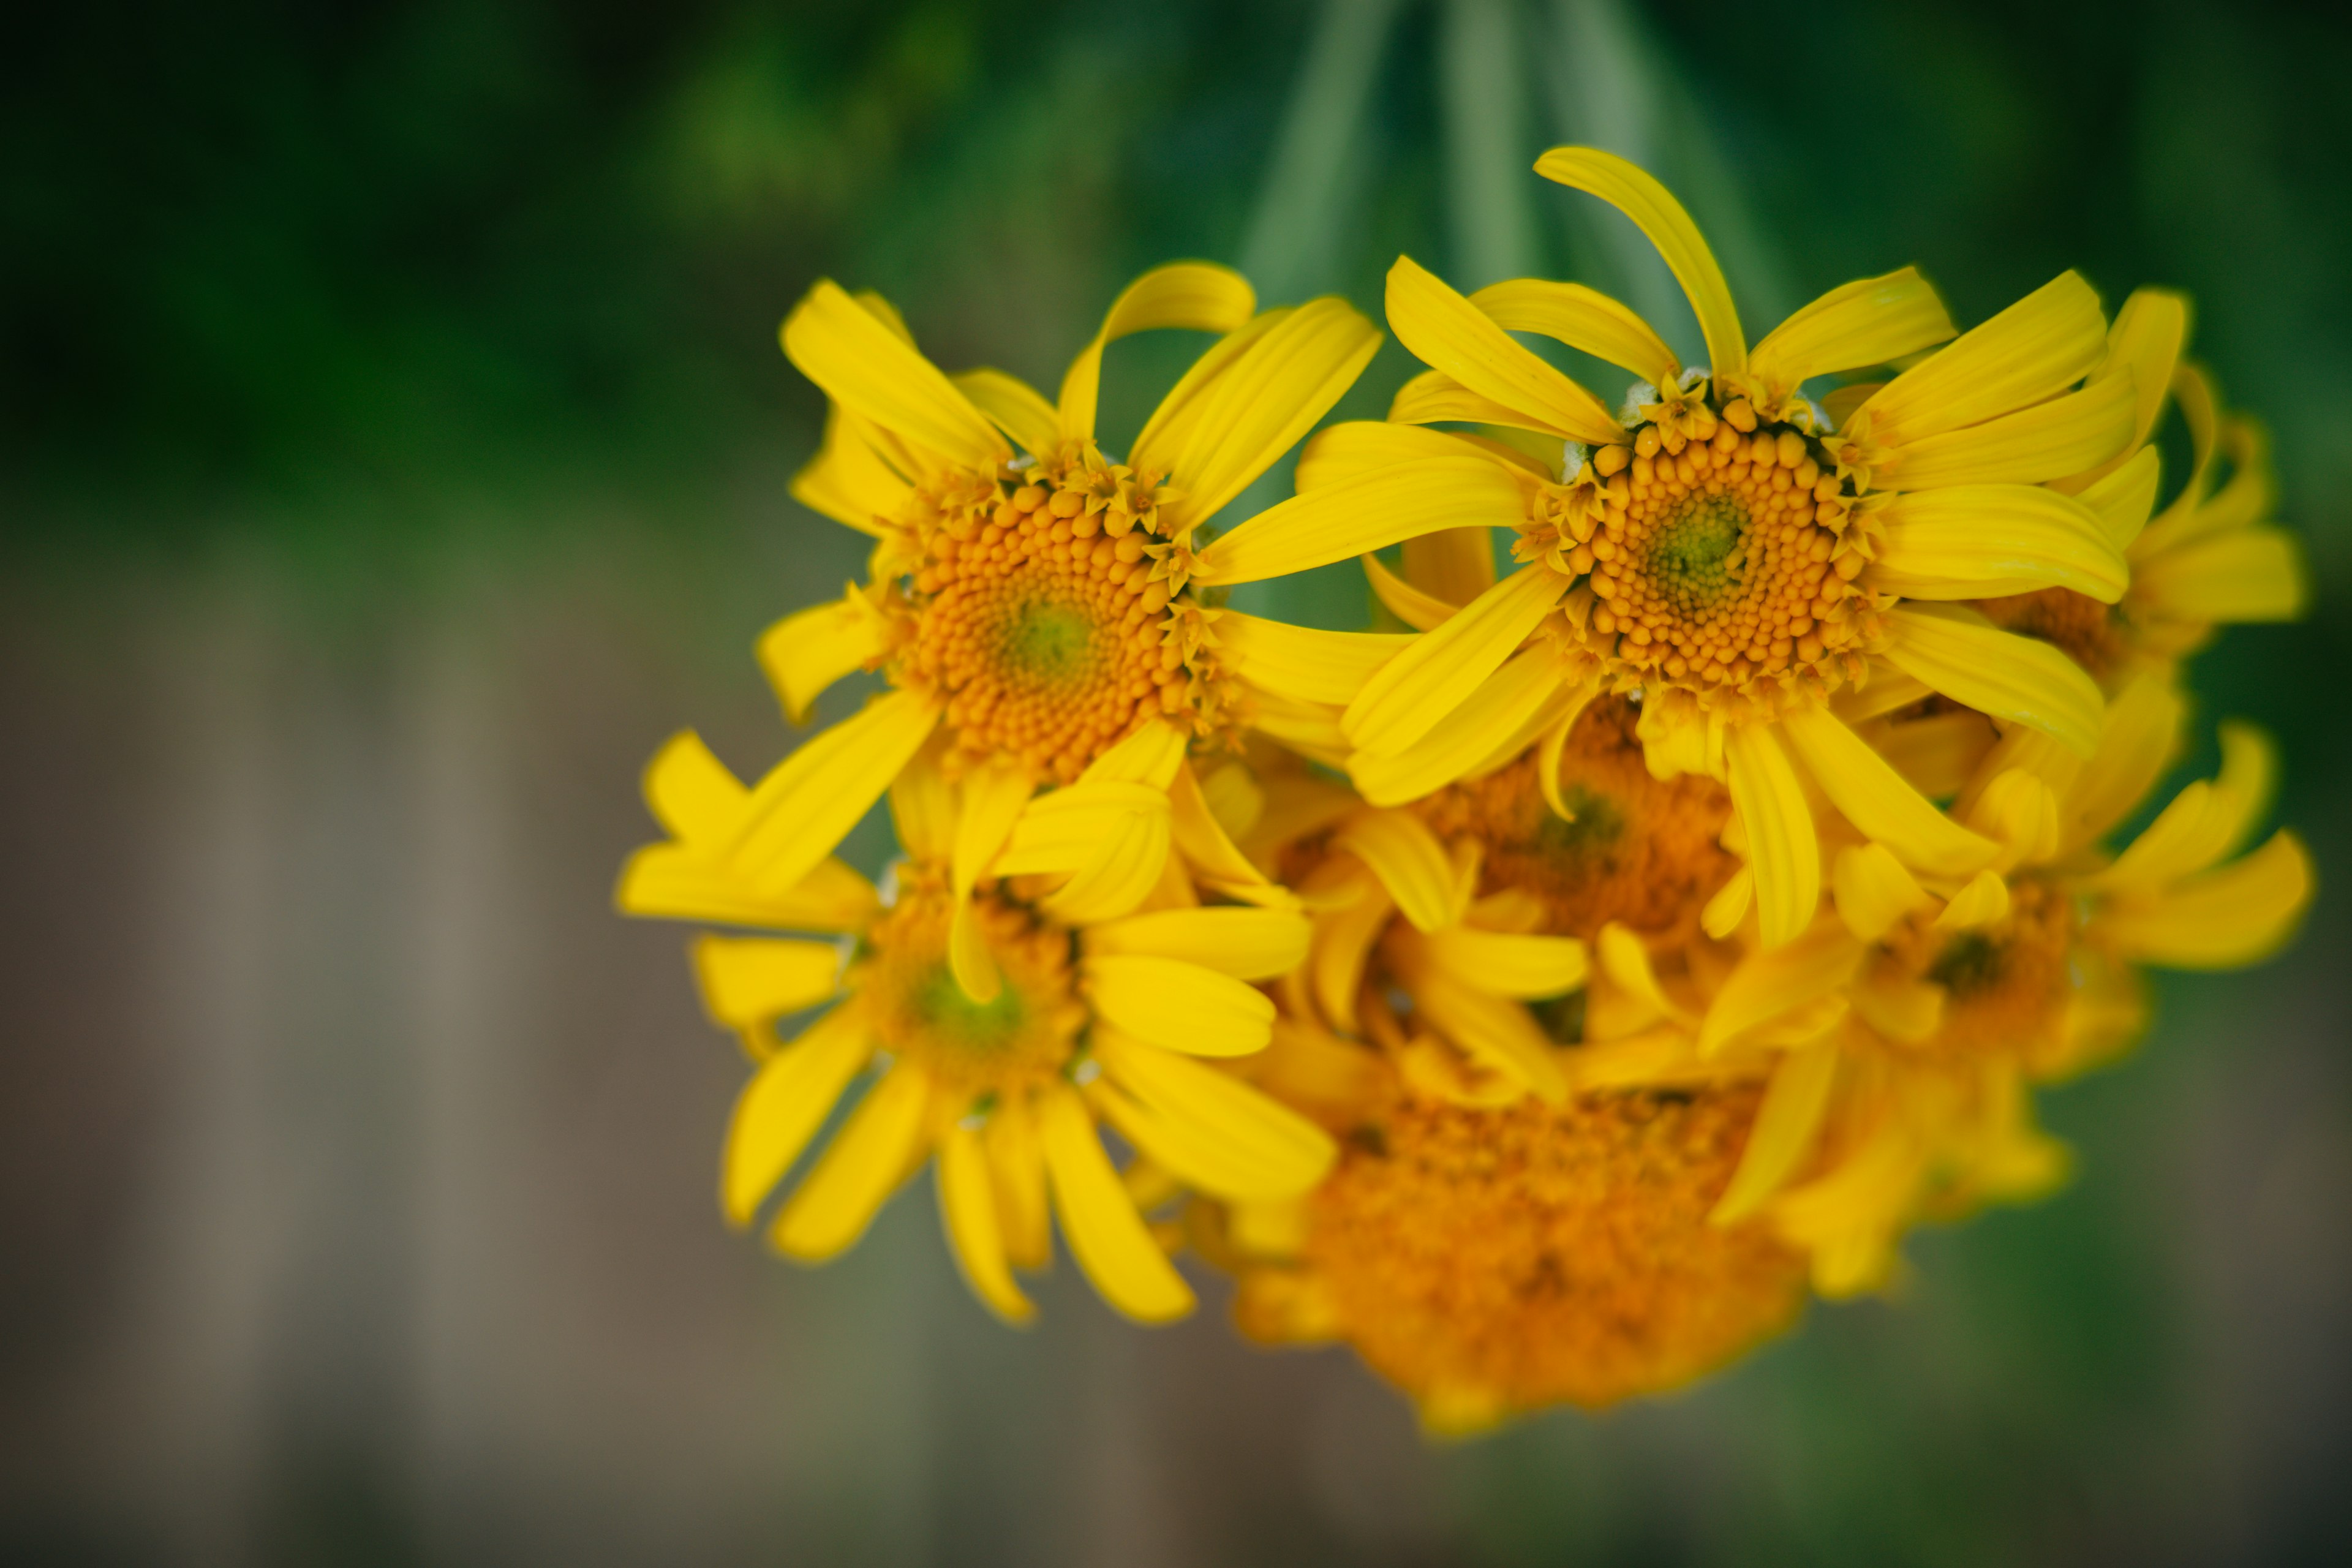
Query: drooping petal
pixel 1247 943
pixel 2144 344
pixel 1794 1104
pixel 1108 1236
pixel 1213 1130
pixel 1870 321
pixel 1767 985
pixel 1497 1033
pixel 1259 407
pixel 1178 1006
pixel 1979 541
pixel 847 480
pixel 873 372
pixel 1300 661
pixel 2225 919
pixel 1968 658
pixel 867 1159
pixel 2126 497
pixel 2060 436
pixel 1434 397
pixel 2141 733
pixel 671 881
pixel 812 799
pixel 2046 341
pixel 750 980
pixel 968 1209
pixel 1422 612
pixel 807 652
pixel 1448 333
pixel 1583 318
pixel 1655 212
pixel 1409 862
pixel 2239 577
pixel 1413 692
pixel 1495 718
pixel 1877 799
pixel 1014 406
pixel 1369 512
pixel 1529 968
pixel 1782 850
pixel 1196 294
pixel 1016 1169
pixel 1872 889
pixel 786 1102
pixel 1354 447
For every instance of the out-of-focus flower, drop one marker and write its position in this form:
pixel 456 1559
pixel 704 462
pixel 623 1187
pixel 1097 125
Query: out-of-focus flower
pixel 1104 1020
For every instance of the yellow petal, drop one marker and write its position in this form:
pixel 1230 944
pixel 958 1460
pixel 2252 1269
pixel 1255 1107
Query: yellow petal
pixel 1120 872
pixel 1968 658
pixel 1724 911
pixel 1202 836
pixel 1981 542
pixel 1016 1168
pixel 1782 850
pixel 1524 696
pixel 1178 1006
pixel 2043 343
pixel 1407 696
pixel 1870 321
pixel 968 1209
pixel 1625 960
pixel 1066 828
pixel 1014 407
pixel 1583 318
pixel 1214 1132
pixel 1104 1232
pixel 748 980
pixel 1342 945
pixel 1422 612
pixel 1873 889
pixel 847 480
pixel 1434 397
pixel 1456 564
pixel 2243 575
pixel 1196 294
pixel 1657 214
pixel 867 1159
pixel 1354 447
pixel 1770 984
pixel 2204 822
pixel 812 799
pixel 2060 436
pixel 2019 808
pixel 786 1102
pixel 2126 497
pixel 2141 734
pixel 1497 1033
pixel 1936 755
pixel 2144 344
pixel 1259 407
pixel 692 794
pixel 1369 512
pixel 1880 801
pixel 1310 729
pixel 1409 862
pixel 1248 945
pixel 1983 901
pixel 1785 1124
pixel 1302 662
pixel 2238 915
pixel 1508 965
pixel 804 653
pixel 673 881
pixel 1448 333
pixel 873 372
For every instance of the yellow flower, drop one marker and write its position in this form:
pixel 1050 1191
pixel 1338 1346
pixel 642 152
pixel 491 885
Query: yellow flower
pixel 1087 1021
pixel 1032 600
pixel 1490 1260
pixel 1721 548
pixel 2210 558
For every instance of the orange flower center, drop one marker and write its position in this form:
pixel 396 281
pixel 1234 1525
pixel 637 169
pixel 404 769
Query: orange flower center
pixel 2087 631
pixel 1490 1261
pixel 1043 613
pixel 1018 1039
pixel 2005 986
pixel 1721 556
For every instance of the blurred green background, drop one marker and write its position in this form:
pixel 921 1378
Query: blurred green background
pixel 392 451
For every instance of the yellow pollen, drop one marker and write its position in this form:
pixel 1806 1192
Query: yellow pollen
pixel 1036 614
pixel 1021 1038
pixel 1721 557
pixel 1532 1255
pixel 1641 851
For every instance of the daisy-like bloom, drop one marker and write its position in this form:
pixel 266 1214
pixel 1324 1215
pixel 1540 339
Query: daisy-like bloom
pixel 1105 1021
pixel 1031 599
pixel 2212 557
pixel 1724 548
pixel 1903 1032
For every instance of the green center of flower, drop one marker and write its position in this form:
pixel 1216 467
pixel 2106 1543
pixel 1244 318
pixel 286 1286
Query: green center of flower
pixel 1049 642
pixel 955 1020
pixel 1970 962
pixel 1599 823
pixel 1693 558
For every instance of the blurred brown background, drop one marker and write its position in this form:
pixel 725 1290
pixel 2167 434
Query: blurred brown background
pixel 392 451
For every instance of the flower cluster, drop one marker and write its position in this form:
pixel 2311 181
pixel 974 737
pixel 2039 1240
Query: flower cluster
pixel 1681 900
